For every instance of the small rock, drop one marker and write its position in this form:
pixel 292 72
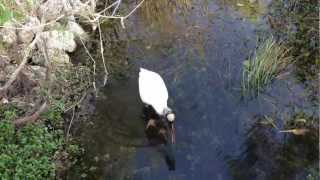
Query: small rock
pixel 39 72
pixel 8 32
pixel 76 29
pixel 9 69
pixel 3 78
pixel 38 58
pixel 4 101
pixel 20 103
pixel 4 60
pixel 25 35
pixel 63 40
pixel 58 56
pixel 34 23
pixel 3 74
pixel 80 7
pixel 16 53
pixel 31 6
pixel 54 25
pixel 51 10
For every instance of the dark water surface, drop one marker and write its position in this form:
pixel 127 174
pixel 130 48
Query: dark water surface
pixel 198 48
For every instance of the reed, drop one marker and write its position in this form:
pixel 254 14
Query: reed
pixel 268 61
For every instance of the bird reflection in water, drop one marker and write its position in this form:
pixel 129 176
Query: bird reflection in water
pixel 157 133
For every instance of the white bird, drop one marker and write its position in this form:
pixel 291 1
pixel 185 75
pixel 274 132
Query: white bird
pixel 153 92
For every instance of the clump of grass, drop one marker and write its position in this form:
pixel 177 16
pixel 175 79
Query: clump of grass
pixel 10 10
pixel 270 59
pixel 5 14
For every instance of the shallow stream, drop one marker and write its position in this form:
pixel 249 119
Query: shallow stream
pixel 198 47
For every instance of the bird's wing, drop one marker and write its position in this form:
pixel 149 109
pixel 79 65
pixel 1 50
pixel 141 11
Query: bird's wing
pixel 153 90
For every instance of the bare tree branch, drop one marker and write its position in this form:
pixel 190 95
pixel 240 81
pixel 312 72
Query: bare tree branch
pixel 116 8
pixel 102 56
pixel 34 27
pixel 13 77
pixel 69 127
pixel 94 66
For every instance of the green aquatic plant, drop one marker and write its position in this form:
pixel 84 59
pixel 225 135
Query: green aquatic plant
pixel 313 172
pixel 159 14
pixel 270 59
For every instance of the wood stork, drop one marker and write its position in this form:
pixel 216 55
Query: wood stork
pixel 153 92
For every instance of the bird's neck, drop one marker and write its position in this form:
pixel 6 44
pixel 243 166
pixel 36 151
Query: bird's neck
pixel 166 111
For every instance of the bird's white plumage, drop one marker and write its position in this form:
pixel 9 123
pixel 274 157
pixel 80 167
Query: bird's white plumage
pixel 152 90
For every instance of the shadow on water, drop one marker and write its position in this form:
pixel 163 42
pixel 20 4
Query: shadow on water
pixel 158 135
pixel 198 48
pixel 270 155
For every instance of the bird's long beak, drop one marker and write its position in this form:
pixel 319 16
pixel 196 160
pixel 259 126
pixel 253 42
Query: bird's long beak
pixel 173 134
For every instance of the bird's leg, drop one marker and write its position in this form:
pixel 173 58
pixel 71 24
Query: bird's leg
pixel 163 134
pixel 151 122
pixel 173 134
pixel 162 131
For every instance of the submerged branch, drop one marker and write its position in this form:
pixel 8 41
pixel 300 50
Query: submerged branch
pixel 298 132
pixel 99 15
pixel 32 118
